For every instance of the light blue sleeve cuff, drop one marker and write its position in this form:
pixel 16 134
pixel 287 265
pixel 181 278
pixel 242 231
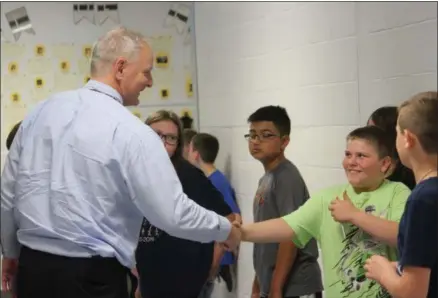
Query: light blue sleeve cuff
pixel 224 229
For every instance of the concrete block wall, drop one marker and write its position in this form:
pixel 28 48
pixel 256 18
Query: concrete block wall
pixel 329 63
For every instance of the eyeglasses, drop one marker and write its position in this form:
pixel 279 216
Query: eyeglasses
pixel 262 137
pixel 168 138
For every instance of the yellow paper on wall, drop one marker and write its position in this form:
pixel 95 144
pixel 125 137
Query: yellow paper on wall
pixel 41 86
pixel 40 50
pixel 11 115
pixel 64 66
pixel 164 93
pixel 189 85
pixel 12 50
pixel 65 82
pixel 162 47
pixel 64 51
pixel 13 81
pixel 87 51
pixel 39 65
pixel 13 68
pixel 84 65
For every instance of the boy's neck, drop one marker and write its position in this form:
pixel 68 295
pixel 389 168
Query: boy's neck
pixel 425 167
pixel 207 168
pixel 272 164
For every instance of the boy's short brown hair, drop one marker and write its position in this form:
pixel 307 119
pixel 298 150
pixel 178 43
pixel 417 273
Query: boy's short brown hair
pixel 419 115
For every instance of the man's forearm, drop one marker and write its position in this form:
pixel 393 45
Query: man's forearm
pixel 286 256
pixel 379 228
pixel 9 242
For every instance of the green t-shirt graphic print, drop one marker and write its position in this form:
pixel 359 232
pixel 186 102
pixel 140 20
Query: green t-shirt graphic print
pixel 344 247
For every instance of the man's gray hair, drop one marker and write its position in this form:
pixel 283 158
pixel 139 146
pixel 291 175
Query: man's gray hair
pixel 119 42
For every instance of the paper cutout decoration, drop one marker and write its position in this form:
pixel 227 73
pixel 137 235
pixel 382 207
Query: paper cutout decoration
pixel 164 93
pixel 186 119
pixel 107 11
pixel 40 50
pixel 19 22
pixel 162 47
pixel 86 51
pixel 15 98
pixel 64 66
pixel 178 17
pixel 13 67
pixel 39 82
pixel 83 10
pixel 65 51
pixel 162 60
pixel 189 86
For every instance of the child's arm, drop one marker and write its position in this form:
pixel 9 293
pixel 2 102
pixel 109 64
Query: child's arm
pixel 269 231
pixel 299 226
pixel 418 251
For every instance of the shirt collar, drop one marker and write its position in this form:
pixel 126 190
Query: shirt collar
pixel 105 89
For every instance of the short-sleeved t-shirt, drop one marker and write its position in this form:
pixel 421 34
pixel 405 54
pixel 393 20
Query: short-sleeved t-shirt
pixel 172 267
pixel 418 232
pixel 280 192
pixel 344 247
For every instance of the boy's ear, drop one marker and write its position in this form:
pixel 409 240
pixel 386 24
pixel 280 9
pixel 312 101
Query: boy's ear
pixel 409 138
pixel 285 141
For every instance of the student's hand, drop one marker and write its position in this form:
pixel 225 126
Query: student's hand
pixel 343 210
pixel 137 293
pixel 255 292
pixel 378 266
pixel 234 238
pixel 9 272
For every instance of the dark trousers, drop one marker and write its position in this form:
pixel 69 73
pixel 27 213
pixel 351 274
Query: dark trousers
pixel 317 295
pixel 45 275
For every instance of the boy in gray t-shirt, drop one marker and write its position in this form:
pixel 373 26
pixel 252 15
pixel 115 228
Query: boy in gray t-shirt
pixel 282 270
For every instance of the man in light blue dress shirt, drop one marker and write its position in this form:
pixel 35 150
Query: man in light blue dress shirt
pixel 81 174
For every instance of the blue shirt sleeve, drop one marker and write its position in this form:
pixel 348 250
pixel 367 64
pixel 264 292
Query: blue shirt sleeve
pixel 419 248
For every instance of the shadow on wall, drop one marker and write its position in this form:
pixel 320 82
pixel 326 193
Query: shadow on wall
pixel 227 167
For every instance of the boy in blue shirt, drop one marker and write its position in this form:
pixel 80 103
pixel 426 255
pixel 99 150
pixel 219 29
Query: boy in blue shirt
pixel 202 153
pixel 416 272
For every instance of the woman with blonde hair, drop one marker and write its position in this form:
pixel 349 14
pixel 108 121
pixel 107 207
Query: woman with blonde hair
pixel 169 267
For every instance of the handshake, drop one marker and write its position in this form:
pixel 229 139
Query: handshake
pixel 235 236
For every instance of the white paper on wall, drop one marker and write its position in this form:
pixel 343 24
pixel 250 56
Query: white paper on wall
pixel 3 37
pixel 107 11
pixel 188 36
pixel 83 10
pixel 178 17
pixel 19 22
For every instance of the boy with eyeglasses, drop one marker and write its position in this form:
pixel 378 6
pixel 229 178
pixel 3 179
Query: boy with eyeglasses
pixel 282 270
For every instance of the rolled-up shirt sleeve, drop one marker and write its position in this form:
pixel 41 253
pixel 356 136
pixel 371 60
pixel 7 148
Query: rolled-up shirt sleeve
pixel 156 190
pixel 9 242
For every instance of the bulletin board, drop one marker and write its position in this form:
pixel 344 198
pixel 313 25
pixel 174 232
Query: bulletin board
pixel 32 71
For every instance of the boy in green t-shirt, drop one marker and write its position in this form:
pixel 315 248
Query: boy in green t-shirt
pixel 350 222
